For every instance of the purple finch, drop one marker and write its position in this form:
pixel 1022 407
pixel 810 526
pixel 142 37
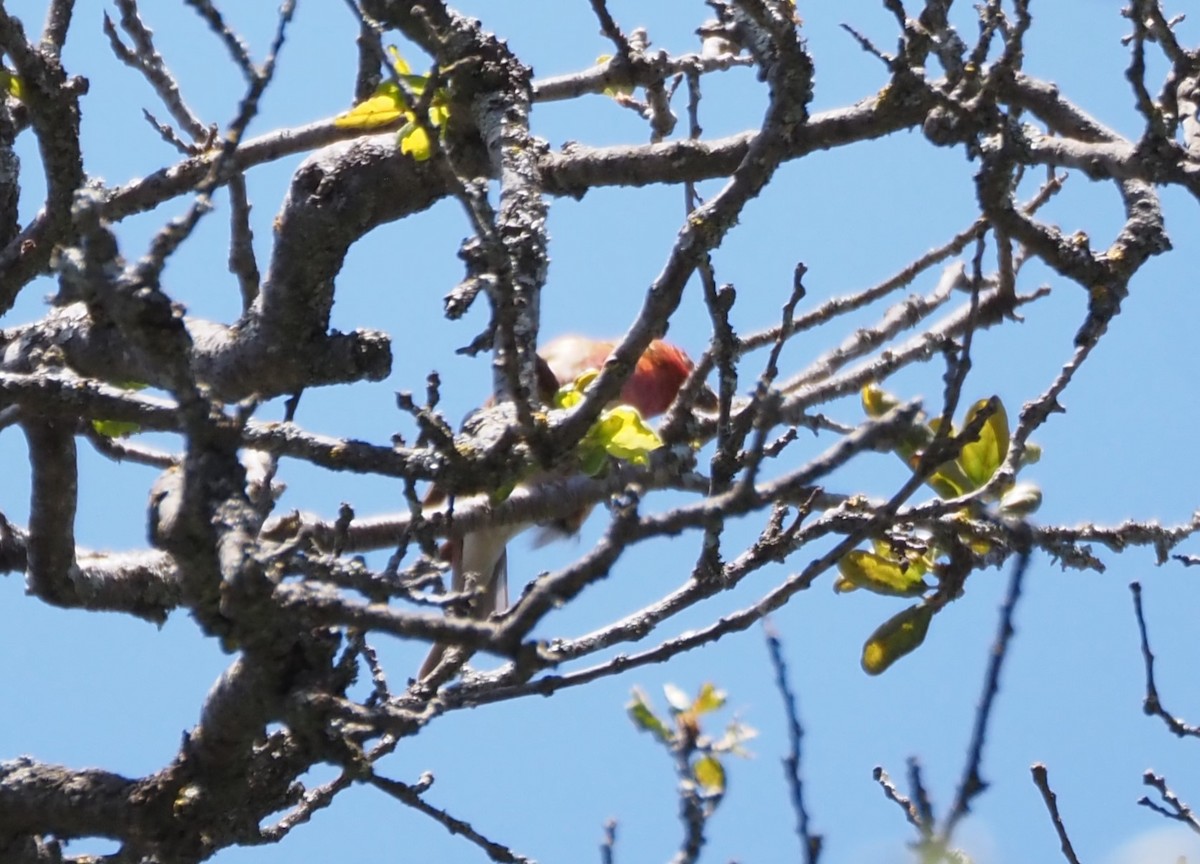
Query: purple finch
pixel 480 558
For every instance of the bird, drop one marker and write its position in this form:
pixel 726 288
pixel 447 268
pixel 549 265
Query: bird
pixel 480 558
pixel 651 388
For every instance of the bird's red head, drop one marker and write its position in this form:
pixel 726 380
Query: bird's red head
pixel 656 379
pixel 652 386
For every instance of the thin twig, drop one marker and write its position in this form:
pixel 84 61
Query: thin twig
pixel 892 793
pixel 1175 808
pixel 1152 705
pixel 411 795
pixel 610 28
pixel 145 58
pixel 233 43
pixel 608 847
pixel 809 842
pixel 1042 781
pixel 177 231
pixel 972 784
pixel 241 242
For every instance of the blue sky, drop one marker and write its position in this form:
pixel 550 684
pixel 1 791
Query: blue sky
pixel 544 775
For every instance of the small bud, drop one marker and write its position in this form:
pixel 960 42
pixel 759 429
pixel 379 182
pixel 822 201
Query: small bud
pixel 1021 500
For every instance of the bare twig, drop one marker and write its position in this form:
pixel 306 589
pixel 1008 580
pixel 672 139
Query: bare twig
pixel 608 847
pixel 1151 704
pixel 145 58
pixel 241 242
pixel 411 795
pixel 1175 808
pixel 233 43
pixel 1042 781
pixel 972 784
pixel 810 843
pixel 892 793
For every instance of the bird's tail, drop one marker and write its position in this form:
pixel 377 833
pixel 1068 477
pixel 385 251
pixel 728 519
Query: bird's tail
pixel 492 597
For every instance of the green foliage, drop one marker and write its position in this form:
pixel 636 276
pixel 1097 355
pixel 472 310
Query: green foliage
pixel 976 462
pixel 880 575
pixel 644 718
pixel 620 432
pixel 981 458
pixel 11 84
pixel 116 428
pixel 898 564
pixel 119 428
pixel 684 738
pixel 895 637
pixel 709 773
pixel 390 102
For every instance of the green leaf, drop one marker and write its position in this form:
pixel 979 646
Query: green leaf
pixel 570 395
pixel 918 558
pixel 625 435
pixel 115 428
pixel 439 111
pixel 389 103
pixel 620 432
pixel 710 774
pixel 416 84
pixel 11 84
pixel 899 635
pixel 386 106
pixel 644 718
pixel 980 459
pixel 120 428
pixel 976 462
pixel 876 401
pixel 593 459
pixel 710 699
pixel 878 574
pixel 414 141
pixel 398 62
pixel 948 480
